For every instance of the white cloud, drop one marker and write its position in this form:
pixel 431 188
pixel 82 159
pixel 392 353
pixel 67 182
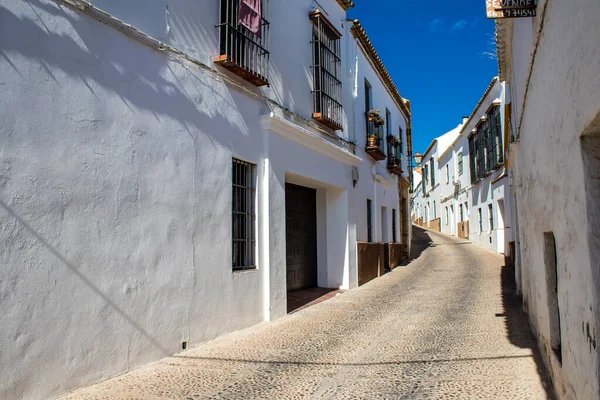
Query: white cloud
pixel 459 25
pixel 435 25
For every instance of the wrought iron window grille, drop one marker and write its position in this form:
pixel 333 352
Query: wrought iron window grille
pixel 242 51
pixel 326 68
pixel 243 215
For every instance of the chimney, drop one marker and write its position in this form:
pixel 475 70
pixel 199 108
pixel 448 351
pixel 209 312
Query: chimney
pixel 465 119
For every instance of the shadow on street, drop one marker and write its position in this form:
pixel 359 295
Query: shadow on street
pixel 517 324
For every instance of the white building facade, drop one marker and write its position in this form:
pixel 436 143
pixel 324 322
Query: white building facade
pixel 490 209
pixel 466 178
pixel 554 111
pixel 169 181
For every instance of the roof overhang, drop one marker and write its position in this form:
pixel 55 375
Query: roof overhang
pixel 504 34
pixel 345 4
pixel 365 43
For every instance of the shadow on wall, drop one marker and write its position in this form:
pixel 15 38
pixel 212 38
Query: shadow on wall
pixel 83 278
pixel 142 78
pixel 517 323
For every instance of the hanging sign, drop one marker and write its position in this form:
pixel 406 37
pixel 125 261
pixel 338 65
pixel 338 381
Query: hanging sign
pixel 496 9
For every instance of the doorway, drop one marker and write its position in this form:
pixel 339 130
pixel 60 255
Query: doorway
pixel 301 237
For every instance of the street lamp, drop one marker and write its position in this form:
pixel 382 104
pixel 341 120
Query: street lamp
pixel 418 157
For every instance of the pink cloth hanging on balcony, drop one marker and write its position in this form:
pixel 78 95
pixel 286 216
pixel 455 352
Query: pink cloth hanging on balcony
pixel 250 15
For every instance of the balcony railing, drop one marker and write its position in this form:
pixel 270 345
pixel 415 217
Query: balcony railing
pixel 394 160
pixel 242 51
pixel 374 141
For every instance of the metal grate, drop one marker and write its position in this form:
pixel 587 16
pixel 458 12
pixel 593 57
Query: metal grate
pixel 244 217
pixel 369 221
pixel 241 50
pixel 394 234
pixel 327 93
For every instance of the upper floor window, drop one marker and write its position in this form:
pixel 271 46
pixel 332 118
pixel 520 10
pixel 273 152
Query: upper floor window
pixel 327 86
pixel 496 152
pixel 432 171
pixel 243 38
pixel 460 163
pixel 485 145
pixel 447 174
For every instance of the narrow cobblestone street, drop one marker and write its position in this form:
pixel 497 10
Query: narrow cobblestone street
pixel 444 326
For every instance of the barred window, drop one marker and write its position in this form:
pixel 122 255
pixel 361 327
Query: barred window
pixel 394 233
pixel 369 221
pixel 327 86
pixel 244 217
pixel 242 45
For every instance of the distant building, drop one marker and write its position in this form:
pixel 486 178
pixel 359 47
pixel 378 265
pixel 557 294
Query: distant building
pixel 465 178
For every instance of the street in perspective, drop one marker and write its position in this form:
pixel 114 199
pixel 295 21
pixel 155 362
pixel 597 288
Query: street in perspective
pixel 304 199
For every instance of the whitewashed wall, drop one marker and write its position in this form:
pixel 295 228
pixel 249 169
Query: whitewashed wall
pixel 376 182
pixel 553 186
pixel 115 186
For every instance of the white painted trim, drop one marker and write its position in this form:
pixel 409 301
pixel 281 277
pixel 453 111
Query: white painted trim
pixel 308 139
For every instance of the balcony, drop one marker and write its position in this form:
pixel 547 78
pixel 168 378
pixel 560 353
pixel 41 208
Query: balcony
pixel 242 51
pixel 394 164
pixel 374 141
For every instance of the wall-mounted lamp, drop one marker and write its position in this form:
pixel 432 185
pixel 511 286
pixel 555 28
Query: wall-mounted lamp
pixel 354 176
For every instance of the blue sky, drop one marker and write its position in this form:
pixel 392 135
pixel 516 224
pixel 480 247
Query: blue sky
pixel 437 53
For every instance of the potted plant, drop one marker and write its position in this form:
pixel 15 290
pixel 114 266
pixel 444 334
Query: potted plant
pixel 397 142
pixel 373 116
pixel 391 139
pixel 373 140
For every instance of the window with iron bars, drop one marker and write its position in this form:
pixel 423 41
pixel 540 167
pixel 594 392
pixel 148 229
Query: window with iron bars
pixel 327 86
pixel 244 217
pixel 369 221
pixel 394 233
pixel 243 51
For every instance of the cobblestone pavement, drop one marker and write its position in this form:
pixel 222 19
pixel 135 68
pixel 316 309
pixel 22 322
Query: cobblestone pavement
pixel 445 326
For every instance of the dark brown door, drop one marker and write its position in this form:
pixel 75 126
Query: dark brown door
pixel 301 237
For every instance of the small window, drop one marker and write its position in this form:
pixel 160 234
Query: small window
pixel 326 68
pixel 447 174
pixel 244 217
pixel 480 220
pixel 551 261
pixel 432 168
pixel 491 216
pixel 394 234
pixel 460 163
pixel 369 221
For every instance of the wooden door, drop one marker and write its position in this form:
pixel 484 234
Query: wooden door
pixel 301 237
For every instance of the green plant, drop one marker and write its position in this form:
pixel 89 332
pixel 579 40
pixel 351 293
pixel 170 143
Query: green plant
pixel 374 116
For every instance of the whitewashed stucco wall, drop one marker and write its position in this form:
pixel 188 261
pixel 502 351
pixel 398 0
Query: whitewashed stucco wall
pixel 563 97
pixel 375 181
pixel 115 188
pixel 116 191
